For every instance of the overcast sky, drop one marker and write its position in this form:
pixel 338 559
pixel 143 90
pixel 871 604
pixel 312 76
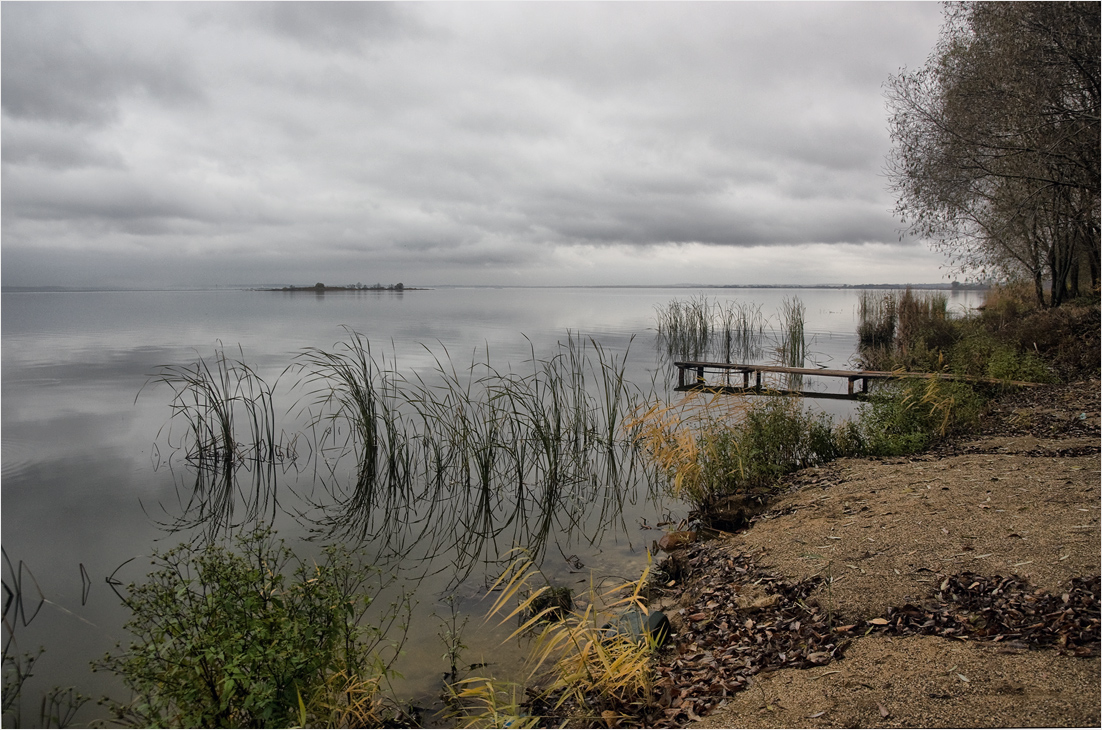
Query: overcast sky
pixel 163 144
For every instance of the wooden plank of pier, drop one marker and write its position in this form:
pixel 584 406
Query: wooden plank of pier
pixel 852 376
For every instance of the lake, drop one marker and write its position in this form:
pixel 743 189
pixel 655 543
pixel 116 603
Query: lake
pixel 93 476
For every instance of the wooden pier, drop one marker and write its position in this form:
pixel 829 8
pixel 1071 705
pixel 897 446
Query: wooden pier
pixel 690 376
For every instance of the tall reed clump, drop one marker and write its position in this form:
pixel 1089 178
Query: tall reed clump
pixel 587 672
pixel 685 327
pixel 700 328
pixel 227 409
pixel 905 330
pixel 914 332
pixel 741 330
pixel 792 349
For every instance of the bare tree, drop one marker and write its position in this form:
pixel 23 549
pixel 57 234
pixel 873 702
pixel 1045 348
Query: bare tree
pixel 996 143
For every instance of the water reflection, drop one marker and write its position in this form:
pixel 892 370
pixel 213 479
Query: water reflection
pixel 216 498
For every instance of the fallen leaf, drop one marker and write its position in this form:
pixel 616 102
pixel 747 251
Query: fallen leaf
pixel 879 621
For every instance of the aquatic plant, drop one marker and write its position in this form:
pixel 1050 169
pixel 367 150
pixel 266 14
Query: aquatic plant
pixel 23 599
pixel 685 327
pixel 230 445
pixel 215 403
pixel 742 328
pixel 463 459
pixel 904 330
pixel 792 343
pixel 700 328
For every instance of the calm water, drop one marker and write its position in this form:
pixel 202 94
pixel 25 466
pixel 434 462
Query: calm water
pixel 88 478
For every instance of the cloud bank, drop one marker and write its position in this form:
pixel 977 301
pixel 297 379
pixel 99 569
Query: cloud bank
pixel 163 144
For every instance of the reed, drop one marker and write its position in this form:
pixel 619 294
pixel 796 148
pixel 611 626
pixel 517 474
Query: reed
pixel 685 327
pixel 876 320
pixel 792 348
pixel 905 330
pixel 702 328
pixel 468 459
pixel 742 329
pixel 228 411
pixel 792 345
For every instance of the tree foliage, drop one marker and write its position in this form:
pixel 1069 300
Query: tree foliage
pixel 996 143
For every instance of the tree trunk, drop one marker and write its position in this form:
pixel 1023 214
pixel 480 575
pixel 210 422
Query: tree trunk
pixel 1039 288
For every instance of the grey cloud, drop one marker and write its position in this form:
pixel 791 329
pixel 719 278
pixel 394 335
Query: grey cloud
pixel 61 63
pixel 55 146
pixel 331 25
pixel 470 137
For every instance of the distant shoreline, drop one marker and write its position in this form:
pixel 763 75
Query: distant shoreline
pixel 298 290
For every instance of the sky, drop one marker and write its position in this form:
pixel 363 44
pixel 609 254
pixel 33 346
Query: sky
pixel 159 144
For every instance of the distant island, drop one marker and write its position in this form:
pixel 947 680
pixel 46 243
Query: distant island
pixel 322 288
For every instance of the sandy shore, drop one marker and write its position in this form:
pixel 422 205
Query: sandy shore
pixel 814 616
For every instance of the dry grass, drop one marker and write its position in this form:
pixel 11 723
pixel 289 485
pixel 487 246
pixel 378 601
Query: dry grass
pixel 585 672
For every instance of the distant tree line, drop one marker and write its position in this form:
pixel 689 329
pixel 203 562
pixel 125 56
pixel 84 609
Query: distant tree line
pixel 995 153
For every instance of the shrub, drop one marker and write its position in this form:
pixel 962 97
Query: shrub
pixel 904 417
pixel 1006 364
pixel 227 639
pixel 778 437
pixel 717 457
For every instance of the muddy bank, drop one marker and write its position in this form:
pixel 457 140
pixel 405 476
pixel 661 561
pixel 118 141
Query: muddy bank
pixel 953 588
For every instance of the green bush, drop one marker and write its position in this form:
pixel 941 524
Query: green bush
pixel 776 437
pixel 904 417
pixel 1006 364
pixel 227 639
